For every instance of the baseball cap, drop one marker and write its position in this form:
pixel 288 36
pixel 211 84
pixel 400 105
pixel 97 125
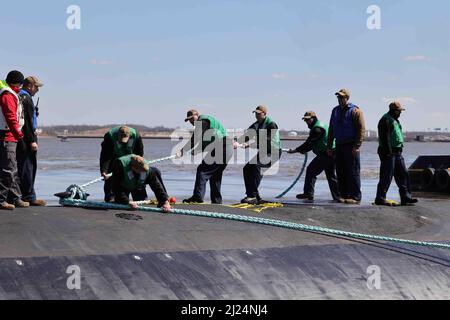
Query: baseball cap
pixel 343 93
pixel 261 109
pixel 396 106
pixel 190 114
pixel 33 80
pixel 309 115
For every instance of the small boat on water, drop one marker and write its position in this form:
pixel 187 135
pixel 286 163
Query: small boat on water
pixel 65 136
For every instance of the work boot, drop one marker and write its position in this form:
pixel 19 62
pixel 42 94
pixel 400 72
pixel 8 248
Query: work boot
pixel 352 201
pixel 109 199
pixel 303 196
pixel 250 200
pixel 6 206
pixel 383 202
pixel 38 203
pixel 339 200
pixel 21 204
pixel 193 199
pixel 409 201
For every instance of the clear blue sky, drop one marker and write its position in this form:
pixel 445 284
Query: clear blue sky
pixel 147 62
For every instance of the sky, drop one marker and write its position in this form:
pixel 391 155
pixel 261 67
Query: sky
pixel 148 62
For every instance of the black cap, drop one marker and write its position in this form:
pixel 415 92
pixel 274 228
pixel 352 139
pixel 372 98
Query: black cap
pixel 15 77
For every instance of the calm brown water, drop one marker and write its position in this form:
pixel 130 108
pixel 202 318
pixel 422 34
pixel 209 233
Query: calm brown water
pixel 77 161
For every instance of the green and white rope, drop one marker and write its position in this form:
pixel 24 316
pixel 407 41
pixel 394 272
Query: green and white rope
pixel 256 220
pixel 88 184
pixel 79 192
pixel 305 162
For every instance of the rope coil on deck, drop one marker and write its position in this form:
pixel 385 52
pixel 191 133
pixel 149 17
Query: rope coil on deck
pixel 78 192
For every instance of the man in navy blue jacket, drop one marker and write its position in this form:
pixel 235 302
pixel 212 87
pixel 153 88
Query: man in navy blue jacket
pixel 347 126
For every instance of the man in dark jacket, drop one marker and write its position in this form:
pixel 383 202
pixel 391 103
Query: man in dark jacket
pixel 317 142
pixel 347 128
pixel 11 122
pixel 267 141
pixel 132 172
pixel 119 142
pixel 391 143
pixel 27 148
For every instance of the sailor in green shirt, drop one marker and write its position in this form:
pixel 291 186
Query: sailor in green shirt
pixel 266 135
pixel 391 143
pixel 132 172
pixel 119 142
pixel 317 143
pixel 211 139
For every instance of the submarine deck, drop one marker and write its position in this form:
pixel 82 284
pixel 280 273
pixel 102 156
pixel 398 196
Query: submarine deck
pixel 168 256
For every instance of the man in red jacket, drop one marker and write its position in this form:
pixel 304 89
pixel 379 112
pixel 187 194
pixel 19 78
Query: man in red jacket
pixel 11 122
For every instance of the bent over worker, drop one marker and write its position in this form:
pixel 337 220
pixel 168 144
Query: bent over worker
pixel 317 142
pixel 118 142
pixel 131 173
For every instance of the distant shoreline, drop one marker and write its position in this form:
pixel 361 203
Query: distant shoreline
pixel 163 133
pixel 162 137
pixel 147 137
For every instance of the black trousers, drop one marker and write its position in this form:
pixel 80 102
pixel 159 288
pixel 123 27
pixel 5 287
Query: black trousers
pixel 212 173
pixel 9 179
pixel 393 166
pixel 27 168
pixel 211 169
pixel 253 176
pixel 348 169
pixel 121 194
pixel 138 194
pixel 321 163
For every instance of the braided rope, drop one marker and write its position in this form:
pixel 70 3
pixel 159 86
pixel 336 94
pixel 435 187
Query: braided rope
pixel 110 175
pixel 263 221
pixel 305 162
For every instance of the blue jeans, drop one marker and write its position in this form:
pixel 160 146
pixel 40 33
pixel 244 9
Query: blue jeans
pixel 393 166
pixel 27 167
pixel 348 169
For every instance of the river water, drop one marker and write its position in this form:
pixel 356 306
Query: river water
pixel 61 164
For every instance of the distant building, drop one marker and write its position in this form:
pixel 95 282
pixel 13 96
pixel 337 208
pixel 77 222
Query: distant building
pixel 420 138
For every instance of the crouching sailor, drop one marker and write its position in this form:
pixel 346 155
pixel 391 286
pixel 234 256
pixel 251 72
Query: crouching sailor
pixel 132 172
pixel 119 142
